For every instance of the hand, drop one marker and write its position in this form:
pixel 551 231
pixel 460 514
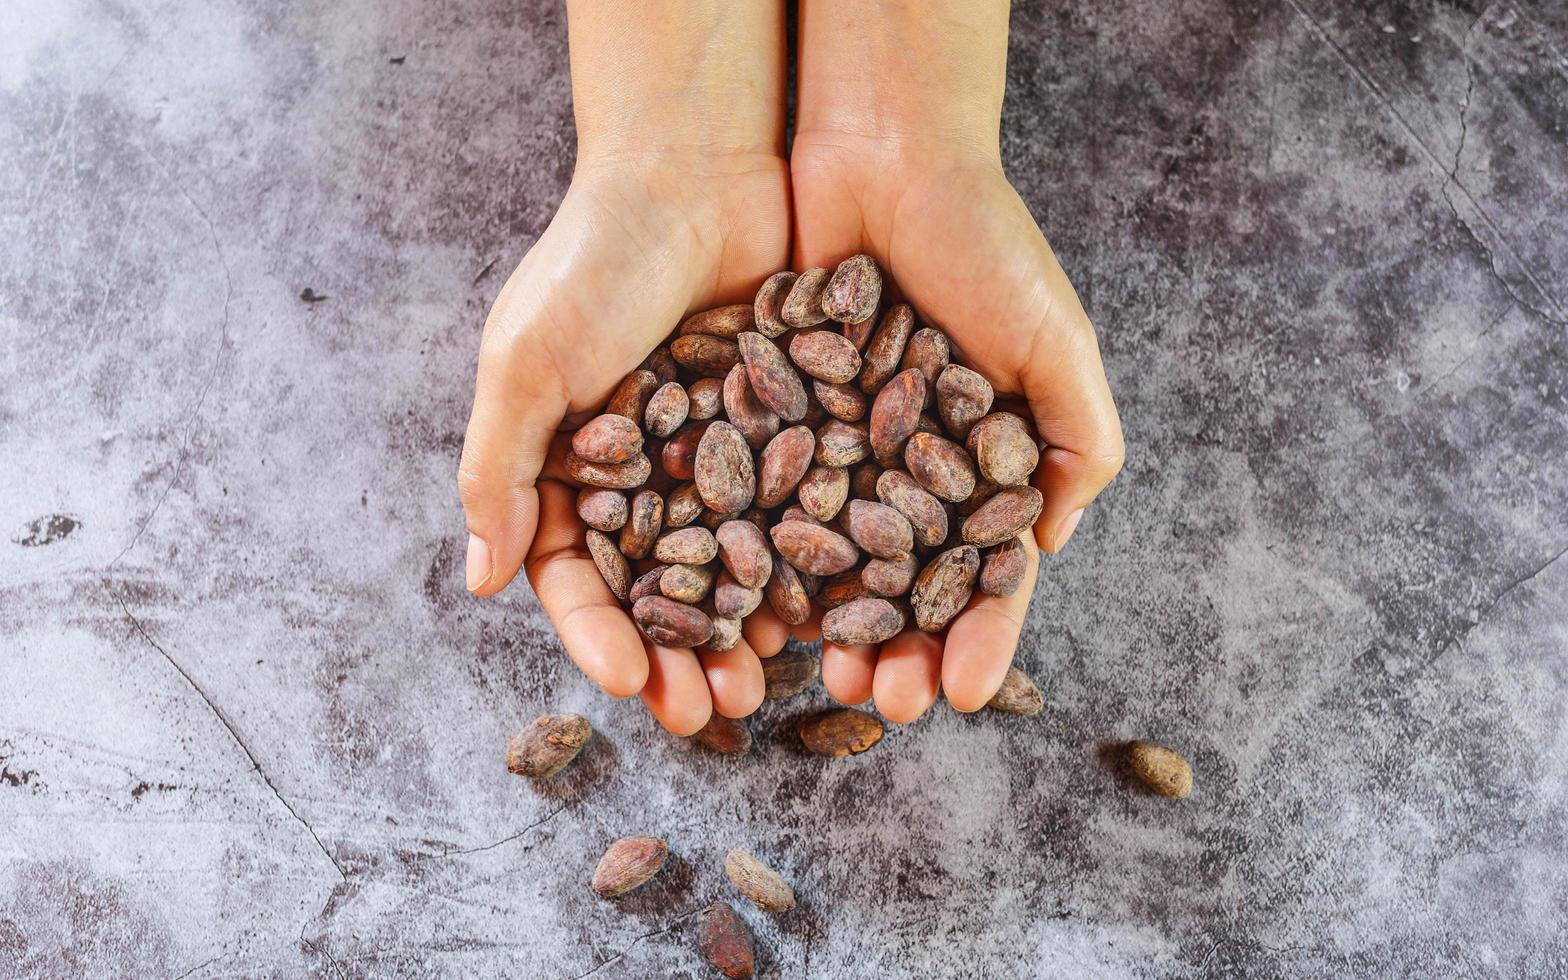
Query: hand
pixel 947 226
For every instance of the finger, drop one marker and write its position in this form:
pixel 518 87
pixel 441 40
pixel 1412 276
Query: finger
pixel 734 679
pixel 982 639
pixel 594 629
pixel 908 676
pixel 847 672
pixel 811 630
pixel 764 631
pixel 677 692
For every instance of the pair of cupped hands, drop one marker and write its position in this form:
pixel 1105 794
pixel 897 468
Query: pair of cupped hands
pixel 641 240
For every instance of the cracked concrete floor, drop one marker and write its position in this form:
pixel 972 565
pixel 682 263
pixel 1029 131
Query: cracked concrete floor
pixel 250 724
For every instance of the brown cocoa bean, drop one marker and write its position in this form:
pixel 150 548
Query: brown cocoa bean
pixel 688 546
pixel 683 506
pixel 940 466
pixel 643 525
pixel 755 421
pixel 679 455
pixel 723 321
pixel 842 732
pixel 631 398
pixel 889 578
pixel 725 942
pixel 617 574
pixel 925 423
pixel 788 673
pixel 786 593
pixel 803 306
pixel 726 634
pixel 1003 517
pixel 629 863
pixel 795 512
pixel 853 291
pixel 984 490
pixel 859 334
pixel 825 355
pixel 886 349
pixel 607 439
pixel 927 350
pixel 647 583
pixel 924 512
pixel 944 587
pixel 544 748
pixel 610 476
pixel 841 588
pixel 724 473
pixel 686 583
pixel 962 398
pixel 823 491
pixel 881 531
pixel 710 357
pixel 770 303
pixel 670 623
pixel 1002 568
pixel 744 551
pixel 727 735
pixel 773 380
pixel 666 410
pixel 841 444
pixel 711 519
pixel 662 364
pixel 862 621
pixel 895 414
pixel 761 885
pixel 1004 449
pixel 602 510
pixel 783 463
pixel 733 600
pixel 1161 769
pixel 1018 695
pixel 842 401
pixel 705 397
pixel 814 549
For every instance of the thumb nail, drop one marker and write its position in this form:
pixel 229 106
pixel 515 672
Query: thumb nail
pixel 1063 531
pixel 478 569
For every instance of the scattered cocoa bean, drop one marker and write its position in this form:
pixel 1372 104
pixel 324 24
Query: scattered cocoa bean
pixel 602 510
pixel 724 473
pixel 962 398
pixel 944 587
pixel 859 333
pixel 860 621
pixel 825 355
pixel 788 673
pixel 629 863
pixel 886 349
pixel 803 305
pixel 726 634
pixel 814 549
pixel 1003 517
pixel 666 410
pixel 544 748
pixel 927 350
pixel 784 461
pixel 687 583
pixel 770 303
pixel 841 444
pixel 924 512
pixel 895 414
pixel 762 886
pixel 786 594
pixel 726 943
pixel 823 491
pixel 706 397
pixel 645 520
pixel 710 357
pixel 617 574
pixel 1017 695
pixel 842 401
pixel 733 600
pixel 729 736
pixel 773 380
pixel 607 439
pixel 852 293
pixel 888 578
pixel 881 531
pixel 647 584
pixel 683 506
pixel 844 587
pixel 744 551
pixel 688 546
pixel 940 466
pixel 610 476
pixel 631 397
pixel 1002 568
pixel 679 455
pixel 840 733
pixel 1004 449
pixel 670 623
pixel 755 421
pixel 662 364
pixel 1161 769
pixel 722 321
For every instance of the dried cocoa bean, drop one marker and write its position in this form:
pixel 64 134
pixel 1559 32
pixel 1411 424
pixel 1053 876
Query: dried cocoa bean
pixel 1004 449
pixel 941 466
pixel 629 863
pixel 788 673
pixel 803 305
pixel 825 355
pixel 683 507
pixel 841 444
pixel 631 398
pixel 814 549
pixel 889 578
pixel 1002 568
pixel 544 748
pixel 607 439
pixel 823 491
pixel 924 512
pixel 786 593
pixel 679 455
pixel 841 588
pixel 726 943
pixel 724 473
pixel 643 525
pixel 842 401
pixel 647 584
pixel 770 303
pixel 602 510
pixel 617 574
pixel 727 735
pixel 733 600
pixel 927 350
pixel 795 512
pixel 881 531
pixel 925 423
pixel 686 583
pixel 688 546
pixel 944 587
pixel 962 398
pixel 862 621
pixel 783 463
pixel 859 334
pixel 705 397
pixel 852 293
pixel 886 349
pixel 710 357
pixel 842 732
pixel 744 551
pixel 666 410
pixel 755 421
pixel 863 481
pixel 726 634
pixel 670 623
pixel 1161 769
pixel 984 490
pixel 764 887
pixel 723 321
pixel 1003 516
pixel 662 364
pixel 773 380
pixel 1017 695
pixel 895 414
pixel 610 476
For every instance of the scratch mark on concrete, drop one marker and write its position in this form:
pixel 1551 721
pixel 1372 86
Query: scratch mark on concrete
pixel 505 840
pixel 1458 638
pixel 647 935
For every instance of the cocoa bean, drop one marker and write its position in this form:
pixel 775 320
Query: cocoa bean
pixel 631 397
pixel 1017 695
pixel 783 463
pixel 852 293
pixel 733 600
pixel 726 634
pixel 727 735
pixel 825 355
pixel 842 732
pixel 710 357
pixel 607 439
pixel 711 519
pixel 773 380
pixel 602 510
pixel 763 886
pixel 841 588
pixel 666 410
pixel 842 401
pixel 679 455
pixel 643 525
pixel 726 943
pixel 662 364
pixel 814 549
pixel 688 546
pixel 881 531
pixel 722 321
pixel 786 593
pixel 755 421
pixel 927 350
pixel 687 583
pixel 940 466
pixel 895 414
pixel 862 621
pixel 925 423
pixel 617 574
pixel 1004 449
pixel 1003 517
pixel 841 444
pixel 744 551
pixel 1161 769
pixel 886 348
pixel 647 583
pixel 1002 568
pixel 803 305
pixel 706 397
pixel 670 623
pixel 683 506
pixel 962 398
pixel 823 491
pixel 924 512
pixel 889 578
pixel 629 863
pixel 724 473
pixel 984 490
pixel 788 673
pixel 545 747
pixel 944 587
pixel 770 303
pixel 610 476
pixel 859 334
pixel 795 512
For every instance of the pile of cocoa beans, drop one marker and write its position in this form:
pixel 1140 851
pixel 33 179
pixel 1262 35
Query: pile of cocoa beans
pixel 801 449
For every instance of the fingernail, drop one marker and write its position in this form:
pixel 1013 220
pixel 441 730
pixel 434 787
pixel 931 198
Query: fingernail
pixel 478 562
pixel 1063 531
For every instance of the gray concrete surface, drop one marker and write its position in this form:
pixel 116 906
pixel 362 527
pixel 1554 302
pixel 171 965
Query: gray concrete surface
pixel 251 725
